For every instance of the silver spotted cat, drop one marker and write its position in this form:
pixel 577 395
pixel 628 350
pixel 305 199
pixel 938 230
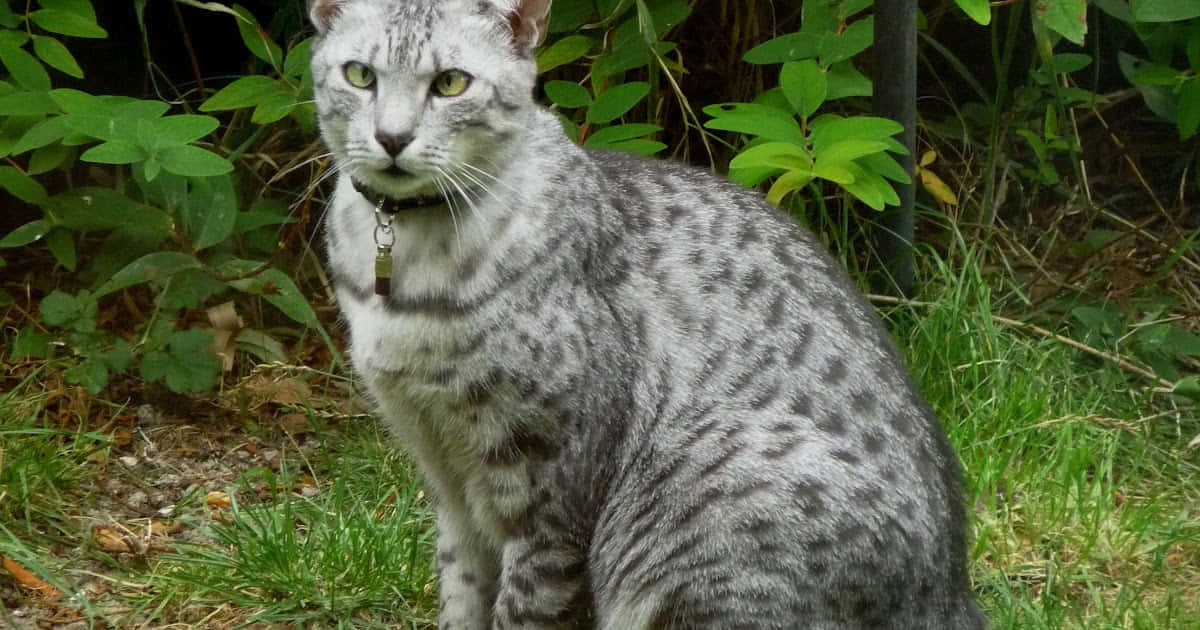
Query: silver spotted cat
pixel 642 397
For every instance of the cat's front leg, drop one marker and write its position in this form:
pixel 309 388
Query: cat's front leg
pixel 466 576
pixel 540 585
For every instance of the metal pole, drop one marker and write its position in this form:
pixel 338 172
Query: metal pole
pixel 895 97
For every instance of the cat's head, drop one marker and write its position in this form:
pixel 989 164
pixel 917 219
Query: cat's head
pixel 413 93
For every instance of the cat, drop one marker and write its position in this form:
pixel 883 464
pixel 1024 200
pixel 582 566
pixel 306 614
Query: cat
pixel 642 397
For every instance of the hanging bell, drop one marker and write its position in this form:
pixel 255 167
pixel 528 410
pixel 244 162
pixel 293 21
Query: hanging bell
pixel 383 271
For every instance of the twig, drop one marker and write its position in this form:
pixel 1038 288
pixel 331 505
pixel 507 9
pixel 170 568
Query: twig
pixel 187 44
pixel 1042 332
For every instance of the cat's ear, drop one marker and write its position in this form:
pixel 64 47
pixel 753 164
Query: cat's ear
pixel 323 12
pixel 529 19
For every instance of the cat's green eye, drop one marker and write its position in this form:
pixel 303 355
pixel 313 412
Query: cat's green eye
pixel 359 75
pixel 451 82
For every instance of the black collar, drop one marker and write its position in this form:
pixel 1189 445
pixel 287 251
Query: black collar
pixel 391 205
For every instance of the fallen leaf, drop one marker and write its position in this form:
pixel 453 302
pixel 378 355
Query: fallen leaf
pixel 26 578
pixel 110 539
pixel 295 423
pixel 225 325
pixel 937 188
pixel 165 528
pixel 121 437
pixel 216 498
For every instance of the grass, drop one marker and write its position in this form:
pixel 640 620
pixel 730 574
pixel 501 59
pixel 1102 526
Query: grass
pixel 1083 497
pixel 356 554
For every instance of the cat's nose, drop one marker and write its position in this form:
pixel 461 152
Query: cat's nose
pixel 393 143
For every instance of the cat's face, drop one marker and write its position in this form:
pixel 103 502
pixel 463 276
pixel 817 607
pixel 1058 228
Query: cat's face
pixel 414 95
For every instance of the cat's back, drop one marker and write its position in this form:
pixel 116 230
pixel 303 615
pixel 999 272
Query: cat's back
pixel 776 426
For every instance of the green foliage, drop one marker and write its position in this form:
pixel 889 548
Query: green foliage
pixel 789 140
pixel 176 225
pixel 622 37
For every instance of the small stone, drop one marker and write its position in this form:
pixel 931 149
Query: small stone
pixel 166 512
pixel 137 499
pixel 308 491
pixel 129 460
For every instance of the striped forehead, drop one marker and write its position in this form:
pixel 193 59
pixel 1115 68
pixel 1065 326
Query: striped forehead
pixel 409 26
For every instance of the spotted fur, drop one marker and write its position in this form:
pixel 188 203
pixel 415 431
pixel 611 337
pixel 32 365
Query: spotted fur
pixel 642 397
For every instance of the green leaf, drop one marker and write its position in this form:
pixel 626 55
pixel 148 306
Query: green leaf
pixel 183 129
pixel 1189 108
pixel 157 266
pixel 63 309
pixel 857 37
pixel 836 173
pixel 1103 321
pixel 87 209
pixel 22 186
pixel 617 133
pixel 25 234
pixel 1188 387
pixel 569 15
pixel 101 126
pixel 56 55
pixel 635 54
pixel 193 161
pixel 885 165
pixel 189 289
pixel 788 182
pixel 791 47
pixel 257 41
pixel 114 152
pixel 567 94
pixel 24 68
pixel 7 18
pixel 118 358
pixel 1066 63
pixel 62 247
pixel 870 188
pixel 1065 17
pixel 261 346
pixel 563 51
pixel 826 130
pixel 48 158
pixel 849 149
pixel 1180 342
pixel 639 146
pixel 90 373
pixel 273 107
pixel 214 202
pixel 777 155
pixel 295 65
pixel 82 8
pixel 244 92
pixel 13 37
pixel 978 10
pixel 281 292
pixel 30 344
pixel 76 102
pixel 1156 74
pixel 42 133
pixel 187 364
pixel 1164 10
pixel 616 101
pixel 67 23
pixel 845 80
pixel 804 85
pixel 768 122
pixel 27 104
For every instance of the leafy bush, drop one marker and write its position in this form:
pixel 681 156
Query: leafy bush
pixel 172 223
